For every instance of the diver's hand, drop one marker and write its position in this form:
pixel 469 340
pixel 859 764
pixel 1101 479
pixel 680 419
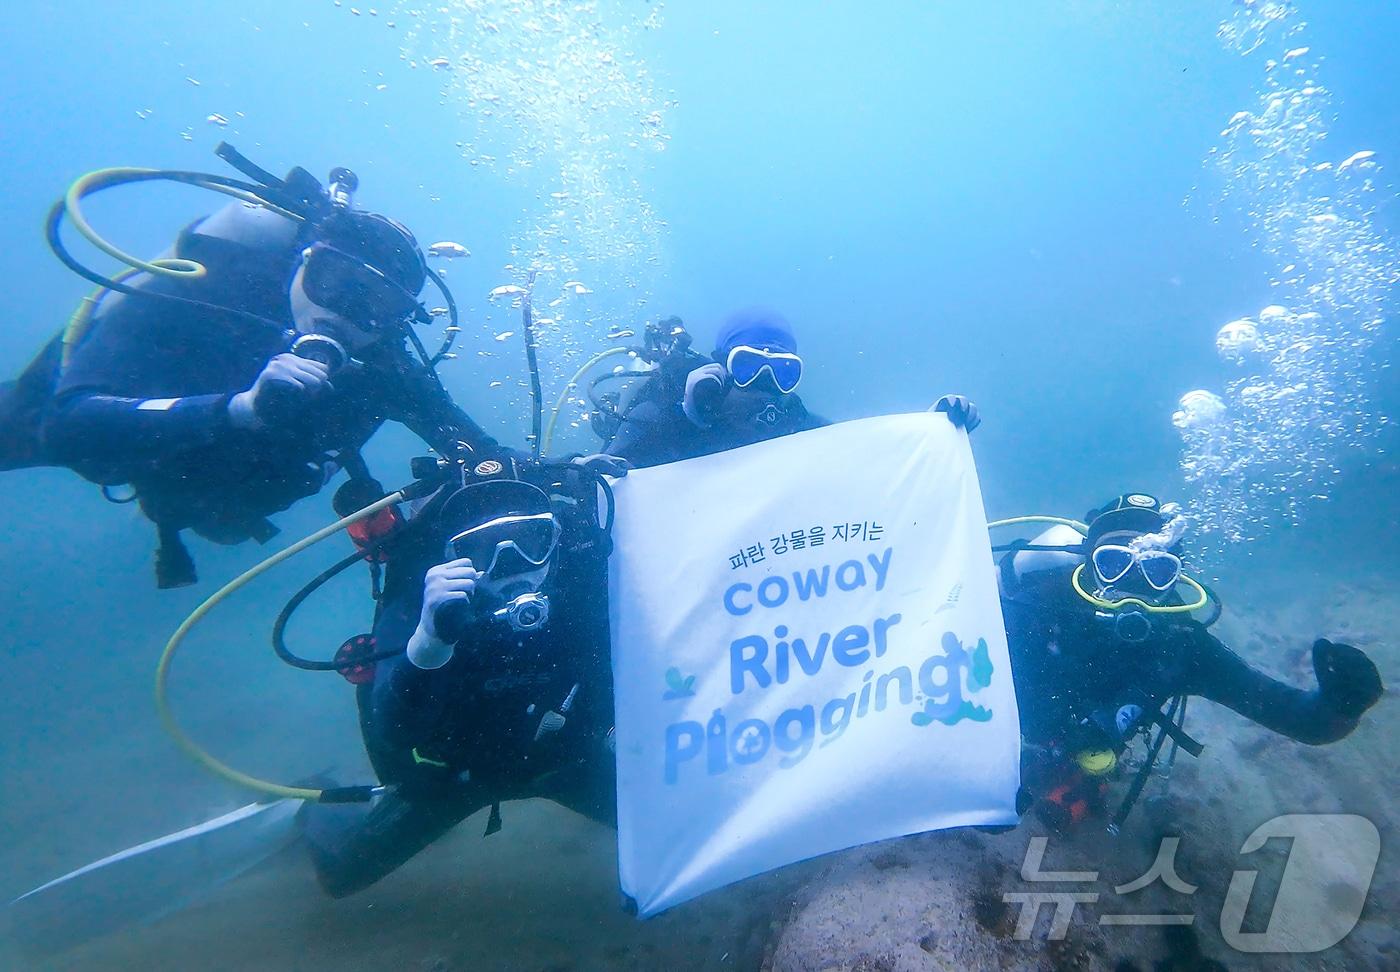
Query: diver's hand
pixel 1349 680
pixel 961 411
pixel 703 388
pixel 603 464
pixel 445 587
pixel 287 379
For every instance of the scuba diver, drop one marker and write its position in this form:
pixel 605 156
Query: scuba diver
pixel 1103 649
pixel 493 680
pixel 238 373
pixel 745 393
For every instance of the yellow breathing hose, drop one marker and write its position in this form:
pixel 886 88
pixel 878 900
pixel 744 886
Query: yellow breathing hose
pixel 572 384
pixel 82 317
pixel 165 266
pixel 167 716
pixel 1202 598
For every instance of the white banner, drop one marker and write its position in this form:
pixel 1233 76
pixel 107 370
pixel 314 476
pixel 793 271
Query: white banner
pixel 808 654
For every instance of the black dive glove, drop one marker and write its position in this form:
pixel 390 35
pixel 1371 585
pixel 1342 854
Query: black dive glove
pixel 1349 680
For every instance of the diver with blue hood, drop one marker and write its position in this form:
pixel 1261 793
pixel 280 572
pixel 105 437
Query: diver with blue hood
pixel 745 393
pixel 493 679
pixel 240 371
pixel 1106 646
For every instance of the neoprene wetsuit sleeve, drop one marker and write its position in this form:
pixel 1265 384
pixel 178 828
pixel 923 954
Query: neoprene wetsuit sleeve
pixel 430 413
pixel 641 439
pixel 405 707
pixel 814 421
pixel 90 427
pixel 1218 674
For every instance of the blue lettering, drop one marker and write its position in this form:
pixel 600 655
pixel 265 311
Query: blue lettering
pixel 882 627
pixel 678 752
pixel 812 584
pixel 905 681
pixel 848 648
pixel 854 571
pixel 776 599
pixel 881 567
pixel 811 663
pixel 741 661
pixel 832 724
pixel 797 748
pixel 731 605
pixel 717 761
pixel 949 688
pixel 864 705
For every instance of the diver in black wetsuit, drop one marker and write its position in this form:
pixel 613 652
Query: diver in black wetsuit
pixel 746 394
pixel 208 404
pixel 497 593
pixel 1100 643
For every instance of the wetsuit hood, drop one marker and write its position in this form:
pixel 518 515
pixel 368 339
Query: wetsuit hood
pixel 756 327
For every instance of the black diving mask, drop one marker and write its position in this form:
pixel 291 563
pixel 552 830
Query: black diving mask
pixel 339 282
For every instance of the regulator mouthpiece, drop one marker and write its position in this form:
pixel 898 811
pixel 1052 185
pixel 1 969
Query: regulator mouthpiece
pixel 528 612
pixel 319 347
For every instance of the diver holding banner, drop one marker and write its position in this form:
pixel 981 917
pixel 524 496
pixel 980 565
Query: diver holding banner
pixel 1107 648
pixel 494 679
pixel 487 676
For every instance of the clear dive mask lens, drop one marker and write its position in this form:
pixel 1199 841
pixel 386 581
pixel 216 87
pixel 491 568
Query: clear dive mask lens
pixel 745 364
pixel 353 289
pixel 507 545
pixel 1112 563
pixel 1160 568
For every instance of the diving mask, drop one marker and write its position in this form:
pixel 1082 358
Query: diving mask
pixel 745 364
pixel 508 545
pixel 1112 562
pixel 512 538
pixel 353 289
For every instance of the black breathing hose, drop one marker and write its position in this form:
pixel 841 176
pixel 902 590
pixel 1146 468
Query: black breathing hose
pixel 536 394
pixel 454 324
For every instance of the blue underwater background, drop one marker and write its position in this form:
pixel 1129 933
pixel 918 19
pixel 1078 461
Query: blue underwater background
pixel 1016 201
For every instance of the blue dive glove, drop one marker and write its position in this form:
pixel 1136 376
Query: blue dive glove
pixel 960 410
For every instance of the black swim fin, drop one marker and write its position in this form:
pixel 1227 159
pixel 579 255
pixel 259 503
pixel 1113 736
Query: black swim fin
pixel 354 845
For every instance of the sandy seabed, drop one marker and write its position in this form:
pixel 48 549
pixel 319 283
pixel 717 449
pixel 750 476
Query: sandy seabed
pixel 542 894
